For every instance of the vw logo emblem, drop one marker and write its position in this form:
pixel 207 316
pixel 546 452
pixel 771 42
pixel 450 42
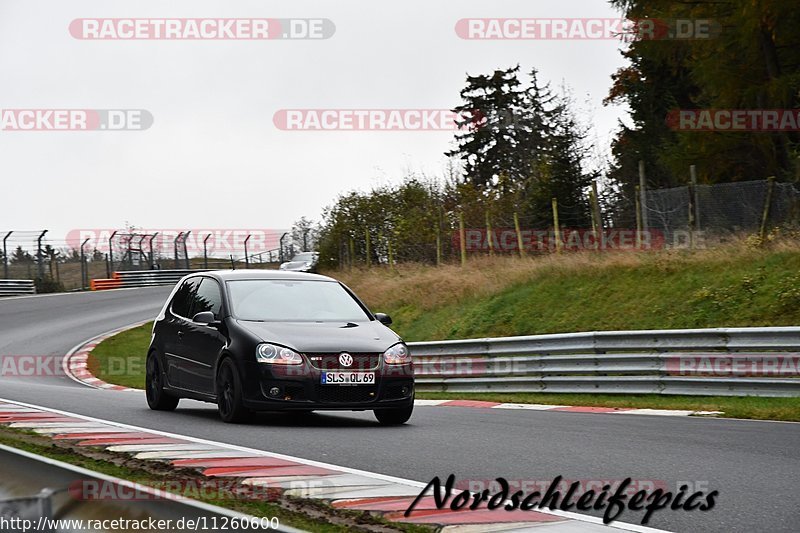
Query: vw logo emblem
pixel 345 359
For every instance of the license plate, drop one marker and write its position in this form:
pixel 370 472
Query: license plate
pixel 348 378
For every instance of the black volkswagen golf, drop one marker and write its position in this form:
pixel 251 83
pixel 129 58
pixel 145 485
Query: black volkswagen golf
pixel 265 340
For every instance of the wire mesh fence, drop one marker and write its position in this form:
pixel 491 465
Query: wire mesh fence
pixel 680 217
pixel 721 211
pixel 70 262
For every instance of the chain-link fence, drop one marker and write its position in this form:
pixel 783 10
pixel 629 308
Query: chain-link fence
pixel 72 261
pixel 681 217
pixel 721 211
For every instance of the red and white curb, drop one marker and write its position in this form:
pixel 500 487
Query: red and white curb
pixel 75 362
pixel 75 367
pixel 341 487
pixel 563 408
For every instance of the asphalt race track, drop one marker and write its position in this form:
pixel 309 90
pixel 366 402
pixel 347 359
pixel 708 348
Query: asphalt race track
pixel 754 465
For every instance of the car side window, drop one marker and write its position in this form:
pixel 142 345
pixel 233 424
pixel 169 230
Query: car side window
pixel 182 302
pixel 208 298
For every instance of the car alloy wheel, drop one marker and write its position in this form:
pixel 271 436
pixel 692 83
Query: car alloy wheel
pixel 229 394
pixel 157 398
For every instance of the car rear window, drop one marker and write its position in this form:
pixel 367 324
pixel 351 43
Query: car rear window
pixel 293 300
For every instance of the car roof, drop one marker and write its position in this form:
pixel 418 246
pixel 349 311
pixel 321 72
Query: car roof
pixel 229 275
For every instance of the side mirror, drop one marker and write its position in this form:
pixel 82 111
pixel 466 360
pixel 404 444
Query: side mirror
pixel 384 319
pixel 207 318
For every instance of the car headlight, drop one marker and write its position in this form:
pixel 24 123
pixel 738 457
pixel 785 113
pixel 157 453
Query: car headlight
pixel 277 355
pixel 397 355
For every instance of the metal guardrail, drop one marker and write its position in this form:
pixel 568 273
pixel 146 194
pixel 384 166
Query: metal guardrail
pixel 16 287
pixel 140 278
pixel 722 361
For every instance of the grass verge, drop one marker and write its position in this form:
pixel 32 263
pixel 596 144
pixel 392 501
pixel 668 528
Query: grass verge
pixel 121 359
pixel 785 409
pixel 730 286
pixel 308 515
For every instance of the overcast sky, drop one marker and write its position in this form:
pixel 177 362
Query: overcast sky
pixel 213 157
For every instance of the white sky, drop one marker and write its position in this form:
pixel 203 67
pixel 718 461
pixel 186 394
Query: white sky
pixel 213 157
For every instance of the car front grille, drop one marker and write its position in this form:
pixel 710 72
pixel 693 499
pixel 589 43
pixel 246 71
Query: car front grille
pixel 330 361
pixel 340 394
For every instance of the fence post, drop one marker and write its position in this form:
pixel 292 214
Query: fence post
pixel 489 235
pixel 369 257
pixel 692 206
pixel 5 254
pixel 185 251
pixel 767 202
pixel 175 249
pixel 205 251
pixel 438 245
pixel 519 235
pixel 352 252
pixel 693 179
pixel 84 266
pixel 152 257
pixel 110 264
pixel 596 208
pixel 39 256
pixel 643 196
pixel 638 219
pixel 556 227
pixel 246 258
pixel 462 234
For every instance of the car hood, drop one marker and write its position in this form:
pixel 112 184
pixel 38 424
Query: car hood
pixel 325 337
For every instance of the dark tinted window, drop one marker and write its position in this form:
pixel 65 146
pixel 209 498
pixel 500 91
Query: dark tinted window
pixel 181 303
pixel 208 298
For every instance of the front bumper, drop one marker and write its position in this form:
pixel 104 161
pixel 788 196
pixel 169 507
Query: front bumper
pixel 300 388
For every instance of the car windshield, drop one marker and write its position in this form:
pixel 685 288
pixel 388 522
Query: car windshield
pixel 274 300
pixel 303 257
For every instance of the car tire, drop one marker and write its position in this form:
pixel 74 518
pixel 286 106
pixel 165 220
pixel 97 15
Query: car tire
pixel 229 394
pixel 157 398
pixel 394 417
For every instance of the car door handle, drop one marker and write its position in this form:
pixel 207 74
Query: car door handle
pixel 180 334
